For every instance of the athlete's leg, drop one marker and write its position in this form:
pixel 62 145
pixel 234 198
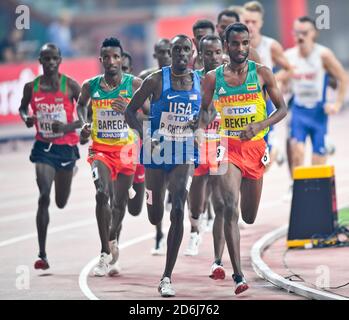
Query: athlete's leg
pixel 63 181
pixel 155 184
pixel 317 136
pixel 120 198
pixel 251 191
pixel 297 149
pixel 218 225
pixel 230 183
pixel 102 181
pixel 179 185
pixel 45 175
pixel 197 199
pixel 135 204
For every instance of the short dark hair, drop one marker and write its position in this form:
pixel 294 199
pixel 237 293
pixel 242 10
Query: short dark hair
pixel 203 24
pixel 307 19
pixel 161 41
pixel 125 54
pixel 49 45
pixel 235 27
pixel 228 13
pixel 182 36
pixel 112 42
pixel 209 37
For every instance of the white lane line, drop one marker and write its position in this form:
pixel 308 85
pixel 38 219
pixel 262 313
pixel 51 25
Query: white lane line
pixel 28 214
pixel 86 270
pixel 65 227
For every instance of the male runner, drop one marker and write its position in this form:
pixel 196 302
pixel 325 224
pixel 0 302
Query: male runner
pixel 211 51
pixel 312 63
pixel 51 97
pixel 201 28
pixel 240 87
pixel 272 56
pixel 163 56
pixel 113 152
pixel 169 154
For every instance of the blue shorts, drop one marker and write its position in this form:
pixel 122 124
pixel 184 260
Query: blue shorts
pixel 58 156
pixel 171 154
pixel 312 122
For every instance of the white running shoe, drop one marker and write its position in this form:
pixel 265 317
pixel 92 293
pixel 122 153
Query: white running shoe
pixel 165 288
pixel 114 250
pixel 102 268
pixel 193 247
pixel 287 197
pixel 161 249
pixel 114 269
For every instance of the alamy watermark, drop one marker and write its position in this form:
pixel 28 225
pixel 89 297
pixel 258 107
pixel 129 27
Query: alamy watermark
pixel 23 17
pixel 322 20
pixel 23 278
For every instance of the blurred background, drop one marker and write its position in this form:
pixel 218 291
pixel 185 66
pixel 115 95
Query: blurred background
pixel 78 27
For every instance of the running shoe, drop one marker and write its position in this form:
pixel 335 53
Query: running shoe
pixel 217 272
pixel 42 264
pixel 240 284
pixel 114 250
pixel 102 268
pixel 114 269
pixel 193 247
pixel 165 288
pixel 160 247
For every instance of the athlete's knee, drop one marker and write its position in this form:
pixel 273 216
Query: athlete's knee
pixel 154 219
pixel 249 219
pixel 134 210
pixel 61 202
pixel 44 199
pixel 102 197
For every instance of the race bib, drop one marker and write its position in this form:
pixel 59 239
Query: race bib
pixel 111 124
pixel 237 118
pixel 266 157
pixel 175 127
pixel 45 120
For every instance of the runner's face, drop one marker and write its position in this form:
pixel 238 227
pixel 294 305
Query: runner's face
pixel 126 65
pixel 181 52
pixel 223 23
pixel 254 22
pixel 111 59
pixel 50 60
pixel 199 33
pixel 212 54
pixel 162 54
pixel 304 33
pixel 238 46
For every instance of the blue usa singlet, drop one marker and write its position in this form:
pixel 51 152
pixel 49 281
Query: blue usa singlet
pixel 169 125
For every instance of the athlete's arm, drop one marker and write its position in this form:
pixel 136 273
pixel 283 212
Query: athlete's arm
pixel 24 107
pixel 335 68
pixel 278 56
pixel 275 95
pixel 207 110
pixel 82 109
pixel 74 93
pixel 146 90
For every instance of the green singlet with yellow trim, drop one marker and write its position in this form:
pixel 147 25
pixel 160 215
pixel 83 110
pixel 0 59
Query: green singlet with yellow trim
pixel 240 105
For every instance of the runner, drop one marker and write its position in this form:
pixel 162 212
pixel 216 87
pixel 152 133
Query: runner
pixel 211 51
pixel 169 154
pixel 113 152
pixel 163 56
pixel 311 63
pixel 272 56
pixel 244 123
pixel 51 97
pixel 201 28
pixel 136 193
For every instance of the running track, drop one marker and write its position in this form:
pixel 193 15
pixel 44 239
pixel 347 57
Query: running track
pixel 73 243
